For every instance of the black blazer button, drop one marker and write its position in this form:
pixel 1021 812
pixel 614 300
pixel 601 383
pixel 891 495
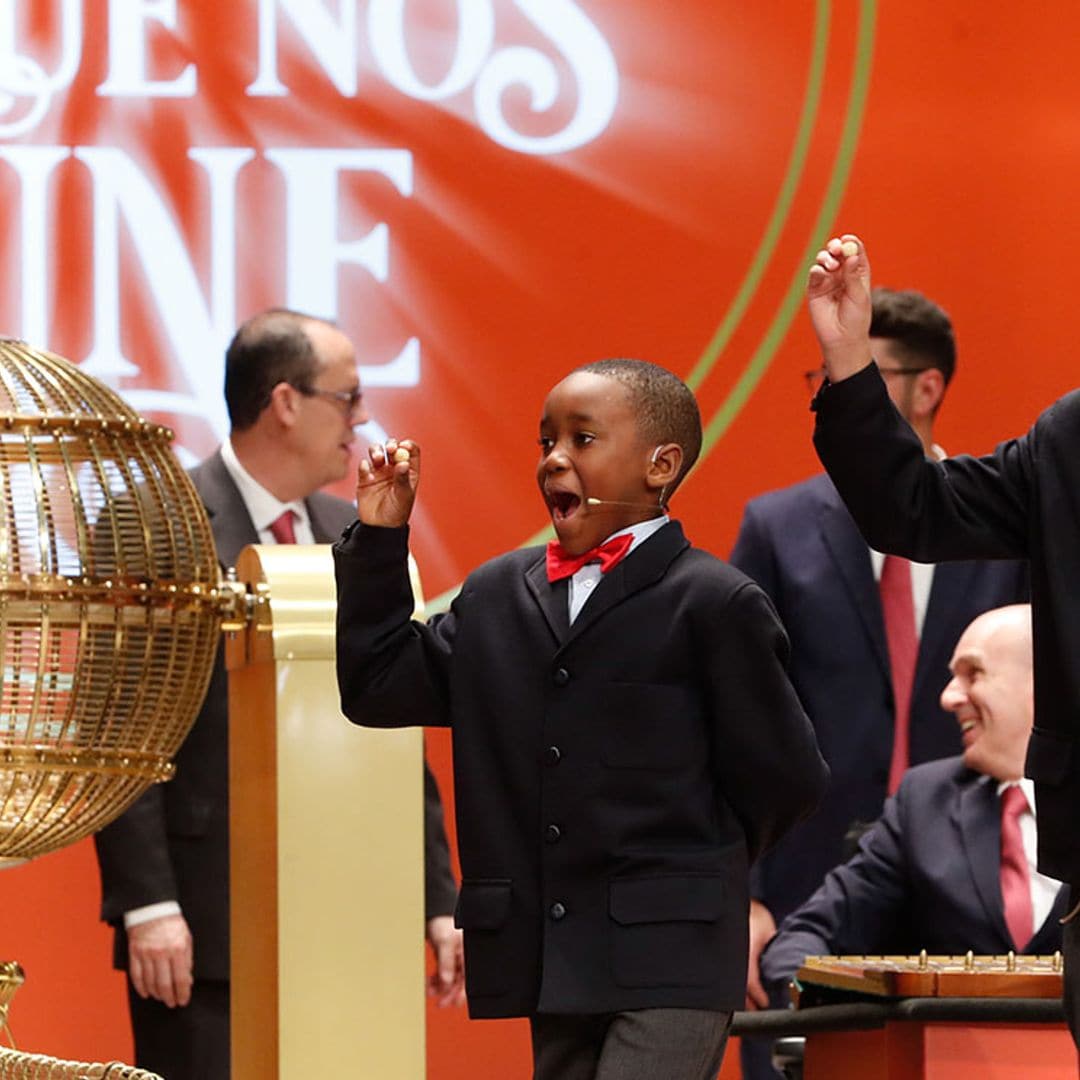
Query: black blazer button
pixel 561 677
pixel 553 834
pixel 552 755
pixel 557 911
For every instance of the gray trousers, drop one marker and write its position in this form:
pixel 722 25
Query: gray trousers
pixel 642 1044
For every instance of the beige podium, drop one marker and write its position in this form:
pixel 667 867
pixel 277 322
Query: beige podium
pixel 326 824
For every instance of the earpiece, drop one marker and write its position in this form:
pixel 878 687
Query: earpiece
pixel 652 460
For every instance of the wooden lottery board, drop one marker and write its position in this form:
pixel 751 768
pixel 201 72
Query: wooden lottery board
pixel 936 976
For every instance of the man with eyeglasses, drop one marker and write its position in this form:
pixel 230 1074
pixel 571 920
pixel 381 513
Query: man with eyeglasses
pixel 293 395
pixel 870 638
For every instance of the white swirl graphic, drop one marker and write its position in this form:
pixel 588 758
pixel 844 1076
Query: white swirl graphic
pixel 23 78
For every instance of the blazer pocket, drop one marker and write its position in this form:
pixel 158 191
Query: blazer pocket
pixel 483 912
pixel 650 726
pixel 669 929
pixel 1049 757
pixel 483 904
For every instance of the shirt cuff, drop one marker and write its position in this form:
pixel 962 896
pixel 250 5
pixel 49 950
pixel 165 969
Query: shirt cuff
pixel 150 912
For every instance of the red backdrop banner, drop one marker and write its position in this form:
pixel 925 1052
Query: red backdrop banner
pixel 485 194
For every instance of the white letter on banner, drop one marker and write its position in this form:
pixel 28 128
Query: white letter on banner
pixel 591 60
pixel 386 32
pixel 198 336
pixel 127 51
pixel 333 43
pixel 34 165
pixel 313 250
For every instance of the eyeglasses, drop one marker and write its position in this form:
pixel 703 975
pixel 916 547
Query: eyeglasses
pixel 815 378
pixel 350 399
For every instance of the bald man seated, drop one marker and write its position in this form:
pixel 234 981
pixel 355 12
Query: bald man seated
pixel 950 865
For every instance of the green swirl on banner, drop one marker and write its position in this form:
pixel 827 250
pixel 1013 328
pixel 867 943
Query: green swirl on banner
pixel 782 208
pixel 845 154
pixel 766 350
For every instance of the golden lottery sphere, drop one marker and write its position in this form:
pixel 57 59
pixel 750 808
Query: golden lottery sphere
pixel 109 606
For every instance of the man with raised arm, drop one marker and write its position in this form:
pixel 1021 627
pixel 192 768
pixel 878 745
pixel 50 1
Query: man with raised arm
pixel 1022 500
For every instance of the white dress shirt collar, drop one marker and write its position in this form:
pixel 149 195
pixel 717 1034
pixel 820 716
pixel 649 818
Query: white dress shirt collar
pixel 264 508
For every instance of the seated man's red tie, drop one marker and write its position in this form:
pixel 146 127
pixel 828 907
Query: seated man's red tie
pixel 1015 873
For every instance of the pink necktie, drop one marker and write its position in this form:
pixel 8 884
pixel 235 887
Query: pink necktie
pixel 282 528
pixel 1015 876
pixel 898 607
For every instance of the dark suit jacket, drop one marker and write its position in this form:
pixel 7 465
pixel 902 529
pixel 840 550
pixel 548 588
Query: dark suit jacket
pixel 613 777
pixel 1023 500
pixel 926 876
pixel 802 547
pixel 173 843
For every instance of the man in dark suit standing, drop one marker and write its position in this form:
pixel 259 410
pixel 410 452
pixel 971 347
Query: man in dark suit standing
pixel 950 866
pixel 1021 500
pixel 293 395
pixel 836 598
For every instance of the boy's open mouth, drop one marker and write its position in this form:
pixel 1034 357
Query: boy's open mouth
pixel 563 504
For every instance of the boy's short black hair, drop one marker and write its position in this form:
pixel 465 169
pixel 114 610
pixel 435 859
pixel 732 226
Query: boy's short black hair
pixel 920 330
pixel 269 348
pixel 666 408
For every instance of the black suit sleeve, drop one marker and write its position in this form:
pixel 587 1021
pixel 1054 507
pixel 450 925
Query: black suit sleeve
pixel 392 672
pixel 755 556
pixel 440 889
pixel 855 909
pixel 133 856
pixel 961 508
pixel 760 728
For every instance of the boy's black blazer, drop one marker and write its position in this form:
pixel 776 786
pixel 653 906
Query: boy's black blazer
pixel 613 778
pixel 1021 501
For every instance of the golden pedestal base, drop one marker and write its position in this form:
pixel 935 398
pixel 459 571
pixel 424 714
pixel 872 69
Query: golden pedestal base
pixel 326 849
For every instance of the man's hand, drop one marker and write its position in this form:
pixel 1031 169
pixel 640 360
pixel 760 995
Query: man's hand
pixel 762 931
pixel 447 982
pixel 160 958
pixel 386 483
pixel 838 293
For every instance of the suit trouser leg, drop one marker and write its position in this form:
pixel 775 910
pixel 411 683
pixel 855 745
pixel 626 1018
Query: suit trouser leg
pixel 567 1047
pixel 639 1044
pixel 756 1059
pixel 185 1043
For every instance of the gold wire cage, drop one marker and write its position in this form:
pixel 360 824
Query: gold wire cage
pixel 109 603
pixel 19 1065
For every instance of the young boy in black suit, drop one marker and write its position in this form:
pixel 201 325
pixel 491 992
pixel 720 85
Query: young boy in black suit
pixel 626 739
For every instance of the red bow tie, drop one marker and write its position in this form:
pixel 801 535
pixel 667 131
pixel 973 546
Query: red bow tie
pixel 561 565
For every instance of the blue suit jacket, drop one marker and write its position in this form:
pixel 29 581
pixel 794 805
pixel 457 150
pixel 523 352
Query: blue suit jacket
pixel 925 877
pixel 802 547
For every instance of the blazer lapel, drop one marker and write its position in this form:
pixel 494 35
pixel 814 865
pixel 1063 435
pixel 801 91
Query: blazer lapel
pixel 851 556
pixel 325 528
pixel 230 522
pixel 951 583
pixel 980 829
pixel 646 564
pixel 551 598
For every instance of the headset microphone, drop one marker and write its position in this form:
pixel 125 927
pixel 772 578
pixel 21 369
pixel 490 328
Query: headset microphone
pixel 633 505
